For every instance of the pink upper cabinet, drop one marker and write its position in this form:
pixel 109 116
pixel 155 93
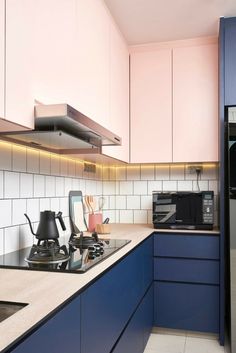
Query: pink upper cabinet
pixel 118 94
pixel 151 106
pixel 2 55
pixel 19 106
pixel 91 73
pixel 195 103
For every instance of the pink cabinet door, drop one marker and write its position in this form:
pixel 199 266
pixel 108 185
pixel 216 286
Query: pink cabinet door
pixel 195 103
pixel 19 98
pixel 2 55
pixel 91 73
pixel 151 106
pixel 119 94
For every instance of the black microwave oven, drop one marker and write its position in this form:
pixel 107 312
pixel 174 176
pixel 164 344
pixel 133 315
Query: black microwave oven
pixel 183 210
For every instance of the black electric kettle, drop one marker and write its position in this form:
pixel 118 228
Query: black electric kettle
pixel 47 228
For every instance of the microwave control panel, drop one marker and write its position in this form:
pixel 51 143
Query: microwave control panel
pixel 207 208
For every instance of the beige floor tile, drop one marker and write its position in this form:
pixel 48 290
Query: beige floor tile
pixel 202 345
pixel 160 343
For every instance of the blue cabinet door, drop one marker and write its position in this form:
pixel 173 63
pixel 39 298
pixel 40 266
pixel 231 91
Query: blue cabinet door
pixel 147 265
pixel 187 306
pixel 230 61
pixel 108 304
pixel 136 334
pixel 60 334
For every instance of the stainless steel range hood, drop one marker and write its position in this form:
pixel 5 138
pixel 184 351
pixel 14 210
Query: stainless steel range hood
pixel 61 129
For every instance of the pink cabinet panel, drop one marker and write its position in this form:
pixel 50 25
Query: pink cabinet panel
pixel 195 103
pixel 2 56
pixel 19 106
pixel 151 106
pixel 118 94
pixel 91 72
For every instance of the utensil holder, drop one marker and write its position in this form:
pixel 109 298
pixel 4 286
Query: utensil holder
pixel 103 228
pixel 94 219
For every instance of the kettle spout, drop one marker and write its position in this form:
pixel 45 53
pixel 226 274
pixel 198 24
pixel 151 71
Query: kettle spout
pixel 30 224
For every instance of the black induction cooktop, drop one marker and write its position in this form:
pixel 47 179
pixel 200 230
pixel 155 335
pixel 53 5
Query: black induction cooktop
pixel 78 260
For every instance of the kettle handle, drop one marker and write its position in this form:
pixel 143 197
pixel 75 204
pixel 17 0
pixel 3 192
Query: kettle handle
pixel 30 224
pixel 59 217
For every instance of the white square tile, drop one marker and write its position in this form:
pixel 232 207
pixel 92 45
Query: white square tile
pixel 121 202
pixel 75 184
pixel 133 172
pixel 105 173
pixel 147 172
pixel 99 187
pixel 112 173
pixel 5 156
pixel 140 187
pixel 26 185
pixel 162 172
pixel 117 216
pixel 196 345
pixel 109 188
pixel 63 167
pixel 18 210
pixel 32 210
pixel 19 158
pixel 11 185
pixel 184 185
pixel 68 186
pixel 126 216
pixel 55 204
pixel 146 202
pixel 112 202
pixel 1 241
pixel 133 202
pixel 82 186
pixel 149 216
pixel 39 185
pixel 140 216
pixel 60 186
pixel 214 186
pixel 44 163
pixel 26 238
pixel 169 185
pixel 106 202
pixel 50 186
pixel 166 343
pixel 64 206
pixel 32 161
pixel 210 173
pixel 91 187
pixel 177 172
pixel 121 173
pixel 44 204
pixel 203 185
pixel 154 186
pixel 11 237
pixel 55 165
pixel 126 188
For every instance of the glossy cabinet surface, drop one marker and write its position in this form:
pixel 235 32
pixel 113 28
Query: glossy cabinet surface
pixel 151 106
pixel 118 121
pixel 2 56
pixel 195 103
pixel 60 334
pixel 187 284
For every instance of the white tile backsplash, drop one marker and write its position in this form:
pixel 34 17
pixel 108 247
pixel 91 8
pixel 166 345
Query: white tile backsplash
pixel 33 181
pixel 11 185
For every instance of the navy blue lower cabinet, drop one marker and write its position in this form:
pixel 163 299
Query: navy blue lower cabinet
pixel 136 334
pixel 147 265
pixel 60 334
pixel 187 306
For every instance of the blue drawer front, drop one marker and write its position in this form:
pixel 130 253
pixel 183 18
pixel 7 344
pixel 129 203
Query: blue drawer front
pixel 186 306
pixel 189 246
pixel 186 270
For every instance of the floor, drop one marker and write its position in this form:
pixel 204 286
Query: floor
pixel 173 341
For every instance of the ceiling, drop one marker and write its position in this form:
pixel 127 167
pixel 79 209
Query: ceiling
pixel 146 21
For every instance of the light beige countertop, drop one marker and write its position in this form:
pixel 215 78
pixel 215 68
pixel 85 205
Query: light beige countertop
pixel 45 291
